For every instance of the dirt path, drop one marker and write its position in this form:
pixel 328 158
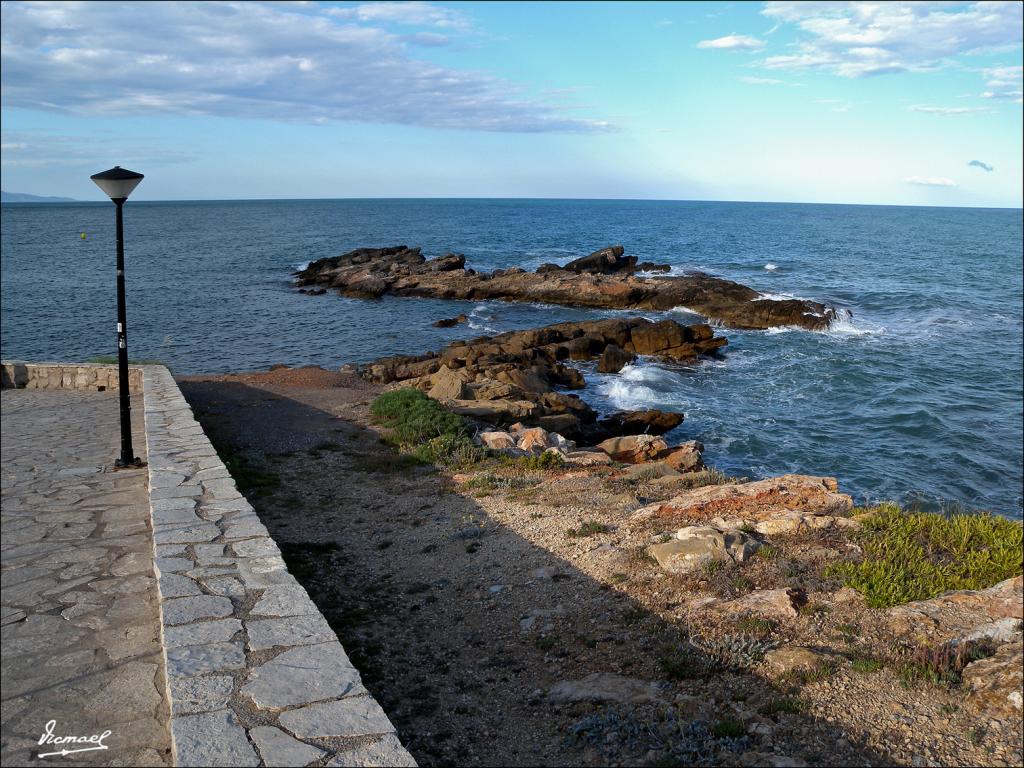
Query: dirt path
pixel 462 613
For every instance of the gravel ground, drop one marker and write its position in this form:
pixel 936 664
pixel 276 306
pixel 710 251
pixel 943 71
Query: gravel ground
pixel 462 608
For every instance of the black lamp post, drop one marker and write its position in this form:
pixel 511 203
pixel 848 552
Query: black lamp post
pixel 118 183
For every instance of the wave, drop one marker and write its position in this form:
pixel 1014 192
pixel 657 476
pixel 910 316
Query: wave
pixel 638 386
pixel 771 267
pixel 302 266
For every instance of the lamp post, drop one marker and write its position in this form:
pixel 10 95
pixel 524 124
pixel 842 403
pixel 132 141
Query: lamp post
pixel 118 183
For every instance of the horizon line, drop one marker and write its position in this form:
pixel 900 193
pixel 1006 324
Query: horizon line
pixel 524 198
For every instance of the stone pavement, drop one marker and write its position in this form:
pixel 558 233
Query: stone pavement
pixel 81 625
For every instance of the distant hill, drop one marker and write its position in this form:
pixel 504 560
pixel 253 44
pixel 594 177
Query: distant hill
pixel 21 197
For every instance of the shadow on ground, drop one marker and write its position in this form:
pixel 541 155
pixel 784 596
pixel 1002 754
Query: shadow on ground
pixel 460 626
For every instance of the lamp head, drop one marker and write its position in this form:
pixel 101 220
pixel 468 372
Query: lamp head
pixel 118 182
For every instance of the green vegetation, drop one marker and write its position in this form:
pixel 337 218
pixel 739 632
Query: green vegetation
pixel 755 625
pixel 941 664
pixel 677 663
pixel 423 429
pixel 823 670
pixel 917 556
pixel 588 528
pixel 865 665
pixel 727 728
pixel 787 705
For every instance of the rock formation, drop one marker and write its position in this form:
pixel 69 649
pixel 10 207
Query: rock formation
pixel 605 278
pixel 515 376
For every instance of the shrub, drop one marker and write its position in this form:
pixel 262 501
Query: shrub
pixel 917 556
pixel 728 728
pixel 424 429
pixel 589 528
pixel 942 664
pixel 414 418
pixel 785 705
pixel 542 461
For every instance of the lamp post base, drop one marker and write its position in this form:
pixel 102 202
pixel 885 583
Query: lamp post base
pixel 134 464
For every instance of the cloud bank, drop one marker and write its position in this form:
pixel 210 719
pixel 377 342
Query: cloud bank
pixel 856 39
pixel 288 62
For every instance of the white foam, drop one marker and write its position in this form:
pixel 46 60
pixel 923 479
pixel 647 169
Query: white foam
pixel 771 267
pixel 685 310
pixel 304 265
pixel 778 297
pixel 843 325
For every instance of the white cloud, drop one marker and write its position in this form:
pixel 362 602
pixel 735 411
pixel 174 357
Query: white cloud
pixel 410 13
pixel 284 62
pixel 930 181
pixel 761 81
pixel 738 42
pixel 979 164
pixel 946 110
pixel 37 150
pixel 1004 83
pixel 856 39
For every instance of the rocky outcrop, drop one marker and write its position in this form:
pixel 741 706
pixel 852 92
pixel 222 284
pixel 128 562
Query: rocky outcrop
pixel 604 279
pixel 996 683
pixel 799 497
pixel 521 376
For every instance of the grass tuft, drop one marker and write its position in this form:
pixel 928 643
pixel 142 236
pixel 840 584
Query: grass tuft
pixel 588 528
pixel 917 556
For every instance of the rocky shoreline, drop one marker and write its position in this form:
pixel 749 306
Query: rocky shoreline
pixel 605 279
pixel 521 376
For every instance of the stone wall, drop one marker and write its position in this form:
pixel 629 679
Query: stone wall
pixel 19 375
pixel 255 674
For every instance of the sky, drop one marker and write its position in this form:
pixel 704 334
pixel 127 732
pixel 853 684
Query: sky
pixel 896 103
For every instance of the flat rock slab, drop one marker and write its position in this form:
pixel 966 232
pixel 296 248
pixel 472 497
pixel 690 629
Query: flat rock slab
pixel 358 716
pixel 214 738
pixel 277 748
pixel 302 676
pixel 602 686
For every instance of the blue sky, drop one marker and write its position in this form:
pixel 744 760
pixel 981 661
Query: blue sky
pixel 886 103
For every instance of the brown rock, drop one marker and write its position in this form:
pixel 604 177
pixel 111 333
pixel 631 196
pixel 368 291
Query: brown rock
pixel 497 441
pixel 790 658
pixel 685 457
pixel 451 321
pixel 603 279
pixel 447 384
pixel 651 421
pixel 697 545
pixel 758 500
pixel 633 449
pixel 773 603
pixel 614 359
pixel 995 683
pixel 657 337
pixel 535 440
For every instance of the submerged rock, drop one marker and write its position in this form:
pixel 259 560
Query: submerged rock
pixel 605 279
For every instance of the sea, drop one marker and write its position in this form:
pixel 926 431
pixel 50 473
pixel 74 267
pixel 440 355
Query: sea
pixel 914 396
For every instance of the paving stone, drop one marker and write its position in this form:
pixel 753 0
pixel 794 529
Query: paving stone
pixel 258 547
pixel 293 630
pixel 200 694
pixel 172 564
pixel 302 676
pixel 359 716
pixel 284 600
pixel 190 660
pixel 215 738
pixel 277 748
pixel 201 632
pixel 183 610
pixel 189 534
pixel 386 752
pixel 225 585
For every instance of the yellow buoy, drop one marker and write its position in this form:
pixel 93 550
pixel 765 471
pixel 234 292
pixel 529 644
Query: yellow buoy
pixel 83 235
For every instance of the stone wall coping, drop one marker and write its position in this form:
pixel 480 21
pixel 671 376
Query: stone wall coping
pixel 255 674
pixel 19 374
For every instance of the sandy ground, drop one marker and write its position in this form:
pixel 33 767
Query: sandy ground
pixel 463 606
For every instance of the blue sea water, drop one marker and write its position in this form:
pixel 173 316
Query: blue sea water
pixel 916 396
